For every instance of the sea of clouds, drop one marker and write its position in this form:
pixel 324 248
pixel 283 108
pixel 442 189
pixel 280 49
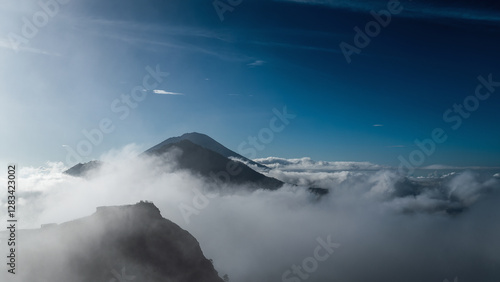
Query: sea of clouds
pixel 387 227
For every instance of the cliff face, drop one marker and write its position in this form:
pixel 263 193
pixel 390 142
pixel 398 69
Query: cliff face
pixel 124 243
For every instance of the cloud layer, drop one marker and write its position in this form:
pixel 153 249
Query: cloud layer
pixel 309 164
pixel 389 228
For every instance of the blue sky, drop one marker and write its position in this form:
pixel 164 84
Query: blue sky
pixel 229 75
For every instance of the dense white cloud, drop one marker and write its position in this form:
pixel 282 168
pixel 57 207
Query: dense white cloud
pixel 309 164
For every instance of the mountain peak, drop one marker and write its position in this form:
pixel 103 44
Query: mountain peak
pixel 194 133
pixel 215 166
pixel 206 142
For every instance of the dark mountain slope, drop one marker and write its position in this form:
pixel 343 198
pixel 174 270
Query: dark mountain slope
pixel 215 166
pixel 82 169
pixel 206 142
pixel 123 243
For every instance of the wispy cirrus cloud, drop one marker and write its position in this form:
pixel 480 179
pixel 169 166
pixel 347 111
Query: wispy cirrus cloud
pixel 149 35
pixel 256 63
pixel 414 9
pixel 163 92
pixel 6 44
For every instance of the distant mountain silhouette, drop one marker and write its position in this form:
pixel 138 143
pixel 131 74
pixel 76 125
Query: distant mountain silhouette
pixel 82 169
pixel 121 243
pixel 208 158
pixel 215 166
pixel 206 142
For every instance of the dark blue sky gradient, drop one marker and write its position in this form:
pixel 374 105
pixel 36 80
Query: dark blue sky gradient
pixel 426 60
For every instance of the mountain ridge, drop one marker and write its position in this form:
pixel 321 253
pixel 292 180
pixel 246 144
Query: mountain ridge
pixel 207 163
pixel 133 240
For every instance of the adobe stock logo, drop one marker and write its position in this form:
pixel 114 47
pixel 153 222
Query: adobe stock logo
pixel 30 28
pixel 322 252
pixel 121 277
pixel 120 106
pixel 221 7
pixel 266 134
pixel 372 29
pixel 454 116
